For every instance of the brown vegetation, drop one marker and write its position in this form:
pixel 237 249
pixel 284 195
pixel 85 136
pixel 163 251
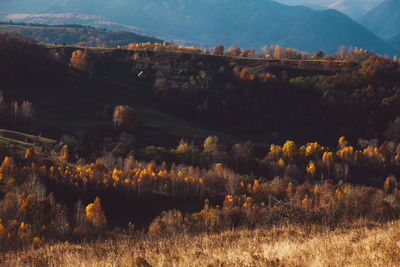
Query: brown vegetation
pixel 285 245
pixel 310 186
pixel 110 187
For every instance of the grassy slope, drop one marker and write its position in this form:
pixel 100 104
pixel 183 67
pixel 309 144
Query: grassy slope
pixel 280 246
pixel 23 140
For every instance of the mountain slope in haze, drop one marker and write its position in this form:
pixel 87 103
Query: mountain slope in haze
pixel 352 8
pixel 384 20
pixel 395 41
pixel 250 23
pixel 76 34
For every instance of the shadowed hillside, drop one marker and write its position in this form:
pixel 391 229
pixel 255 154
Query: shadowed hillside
pixel 188 92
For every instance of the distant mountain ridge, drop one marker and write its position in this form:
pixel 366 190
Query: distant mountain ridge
pixel 251 23
pixel 352 8
pixel 384 20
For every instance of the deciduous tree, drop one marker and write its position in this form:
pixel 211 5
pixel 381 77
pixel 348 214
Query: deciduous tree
pixel 125 117
pixel 219 50
pixel 234 51
pixel 79 60
pixel 95 214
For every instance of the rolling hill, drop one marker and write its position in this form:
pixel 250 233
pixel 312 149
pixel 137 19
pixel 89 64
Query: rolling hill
pixel 384 20
pixel 171 155
pixel 24 141
pixel 246 23
pixel 193 94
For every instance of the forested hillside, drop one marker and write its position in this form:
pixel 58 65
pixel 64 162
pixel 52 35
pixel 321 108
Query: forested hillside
pixel 263 99
pixel 151 142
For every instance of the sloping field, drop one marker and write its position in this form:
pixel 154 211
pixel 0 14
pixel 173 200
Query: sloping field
pixel 23 140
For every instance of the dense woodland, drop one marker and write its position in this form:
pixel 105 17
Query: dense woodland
pixel 286 138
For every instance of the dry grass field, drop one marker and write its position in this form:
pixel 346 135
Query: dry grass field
pixel 358 245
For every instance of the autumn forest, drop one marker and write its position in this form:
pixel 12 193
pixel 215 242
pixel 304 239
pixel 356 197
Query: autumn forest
pixel 142 145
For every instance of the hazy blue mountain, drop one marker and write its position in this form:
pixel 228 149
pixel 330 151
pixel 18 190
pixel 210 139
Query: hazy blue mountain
pixel 384 20
pixel 316 7
pixel 395 41
pixel 251 23
pixel 352 8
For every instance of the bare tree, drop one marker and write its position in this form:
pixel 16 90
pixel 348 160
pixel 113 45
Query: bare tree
pixel 4 111
pixel 14 109
pixel 26 111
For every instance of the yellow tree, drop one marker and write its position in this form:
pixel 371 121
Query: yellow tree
pixel 95 214
pixel 7 168
pixel 342 143
pixel 289 150
pixel 7 174
pixel 211 145
pixel 311 168
pixel 63 154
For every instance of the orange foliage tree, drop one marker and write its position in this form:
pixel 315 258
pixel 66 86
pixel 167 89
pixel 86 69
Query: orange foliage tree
pixel 219 50
pixel 79 60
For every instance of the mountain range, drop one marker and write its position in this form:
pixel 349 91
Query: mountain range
pixel 352 8
pixel 384 20
pixel 251 23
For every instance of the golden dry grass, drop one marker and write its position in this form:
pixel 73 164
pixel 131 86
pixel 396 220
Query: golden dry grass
pixel 377 245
